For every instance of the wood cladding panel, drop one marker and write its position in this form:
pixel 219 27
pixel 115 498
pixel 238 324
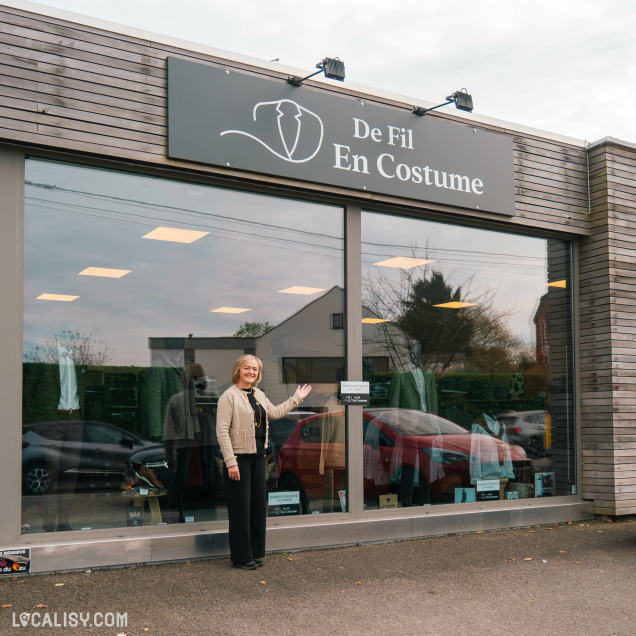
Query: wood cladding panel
pixel 90 89
pixel 608 344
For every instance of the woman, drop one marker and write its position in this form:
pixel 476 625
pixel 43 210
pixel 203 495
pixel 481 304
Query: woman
pixel 242 429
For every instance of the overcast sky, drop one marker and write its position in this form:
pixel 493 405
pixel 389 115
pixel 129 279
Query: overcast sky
pixel 564 66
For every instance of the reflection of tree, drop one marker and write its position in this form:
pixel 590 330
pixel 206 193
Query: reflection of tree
pixel 253 329
pixel 86 348
pixel 474 338
pixel 443 334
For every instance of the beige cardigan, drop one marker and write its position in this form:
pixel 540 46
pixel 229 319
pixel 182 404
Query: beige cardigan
pixel 235 421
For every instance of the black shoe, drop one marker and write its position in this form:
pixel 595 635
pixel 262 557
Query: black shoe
pixel 259 562
pixel 246 565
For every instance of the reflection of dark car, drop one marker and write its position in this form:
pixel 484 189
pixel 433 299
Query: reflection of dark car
pixel 420 456
pixel 527 429
pixel 153 456
pixel 75 454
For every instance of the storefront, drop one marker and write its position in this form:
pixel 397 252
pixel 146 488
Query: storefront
pixel 458 292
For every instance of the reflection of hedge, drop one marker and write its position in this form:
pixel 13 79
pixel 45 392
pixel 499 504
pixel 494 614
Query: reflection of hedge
pixel 134 398
pixel 464 396
pixel 475 393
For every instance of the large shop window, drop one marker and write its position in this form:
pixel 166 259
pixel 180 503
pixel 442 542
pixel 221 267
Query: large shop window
pixel 139 295
pixel 476 403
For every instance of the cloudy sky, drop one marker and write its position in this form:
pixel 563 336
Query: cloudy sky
pixel 564 66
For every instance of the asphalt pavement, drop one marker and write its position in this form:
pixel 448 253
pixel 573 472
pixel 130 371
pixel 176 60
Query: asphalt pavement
pixel 568 578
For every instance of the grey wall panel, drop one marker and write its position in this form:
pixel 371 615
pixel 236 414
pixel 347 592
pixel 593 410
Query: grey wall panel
pixel 11 241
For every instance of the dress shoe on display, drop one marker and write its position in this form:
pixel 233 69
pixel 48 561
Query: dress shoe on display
pixel 148 475
pixel 246 565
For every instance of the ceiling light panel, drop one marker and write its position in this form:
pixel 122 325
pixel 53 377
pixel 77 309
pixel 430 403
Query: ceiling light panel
pixel 455 305
pixel 174 235
pixel 104 272
pixel 229 310
pixel 60 297
pixel 403 262
pixel 305 291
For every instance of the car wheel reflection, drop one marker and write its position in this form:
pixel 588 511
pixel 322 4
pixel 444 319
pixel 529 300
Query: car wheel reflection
pixel 37 480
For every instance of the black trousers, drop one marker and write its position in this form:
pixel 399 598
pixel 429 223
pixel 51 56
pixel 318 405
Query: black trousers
pixel 246 501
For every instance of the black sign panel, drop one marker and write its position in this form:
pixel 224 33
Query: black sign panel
pixel 229 118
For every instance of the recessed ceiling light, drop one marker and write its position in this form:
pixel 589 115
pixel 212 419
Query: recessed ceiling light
pixel 558 283
pixel 229 310
pixel 61 297
pixel 301 290
pixel 373 321
pixel 403 262
pixel 455 305
pixel 174 235
pixel 105 272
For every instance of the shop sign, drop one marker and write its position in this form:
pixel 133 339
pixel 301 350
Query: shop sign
pixel 354 393
pixel 488 489
pixel 282 504
pixel 230 118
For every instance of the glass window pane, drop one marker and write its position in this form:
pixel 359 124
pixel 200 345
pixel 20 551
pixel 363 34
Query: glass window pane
pixel 474 400
pixel 139 295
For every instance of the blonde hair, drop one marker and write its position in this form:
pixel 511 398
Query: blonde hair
pixel 239 364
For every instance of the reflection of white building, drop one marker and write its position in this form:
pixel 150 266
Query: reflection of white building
pixel 307 347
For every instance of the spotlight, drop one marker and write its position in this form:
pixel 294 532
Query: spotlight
pixel 462 99
pixel 332 67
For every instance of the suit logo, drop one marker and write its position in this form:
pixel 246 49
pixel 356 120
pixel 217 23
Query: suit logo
pixel 286 129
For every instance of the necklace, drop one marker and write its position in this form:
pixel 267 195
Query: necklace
pixel 257 418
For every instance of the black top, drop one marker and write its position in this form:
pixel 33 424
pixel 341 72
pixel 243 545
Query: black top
pixel 260 420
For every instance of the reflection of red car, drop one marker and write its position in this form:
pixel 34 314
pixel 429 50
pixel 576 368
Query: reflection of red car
pixel 419 456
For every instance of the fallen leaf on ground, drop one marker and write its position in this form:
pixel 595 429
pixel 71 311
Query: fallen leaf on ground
pixel 41 605
pixel 5 606
pixel 358 582
pixel 528 559
pixel 289 559
pixel 59 584
pixel 263 582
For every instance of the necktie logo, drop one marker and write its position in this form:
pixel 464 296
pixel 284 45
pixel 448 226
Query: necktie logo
pixel 288 130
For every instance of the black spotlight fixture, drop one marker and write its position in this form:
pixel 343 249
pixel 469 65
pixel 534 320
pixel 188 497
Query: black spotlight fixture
pixel 332 67
pixel 462 99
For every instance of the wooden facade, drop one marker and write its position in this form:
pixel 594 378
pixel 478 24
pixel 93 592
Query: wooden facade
pixel 86 92
pixel 608 331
